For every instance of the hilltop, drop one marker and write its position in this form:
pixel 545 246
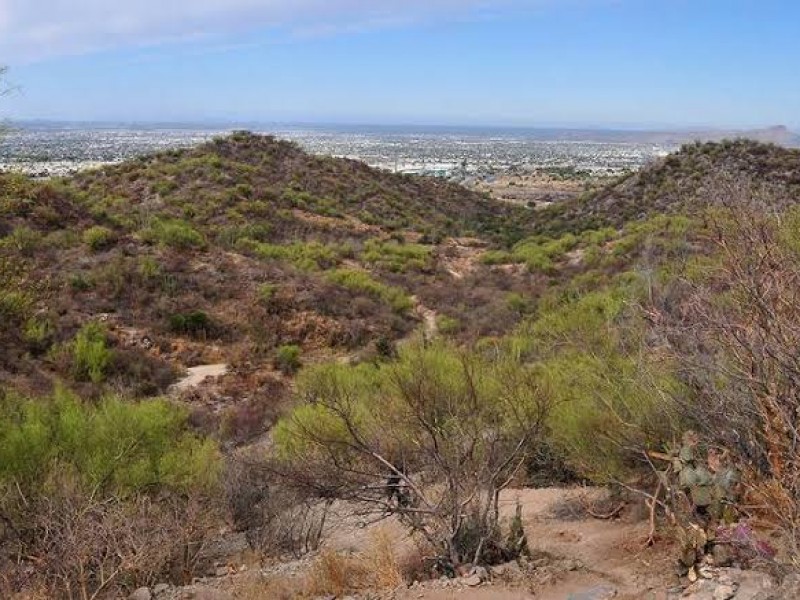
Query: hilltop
pixel 676 184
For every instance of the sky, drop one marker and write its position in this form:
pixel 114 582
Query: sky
pixel 537 63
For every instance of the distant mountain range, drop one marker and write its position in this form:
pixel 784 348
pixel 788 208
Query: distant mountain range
pixel 779 134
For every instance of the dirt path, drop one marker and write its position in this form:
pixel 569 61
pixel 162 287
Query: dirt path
pixel 196 375
pixel 585 558
pixel 606 558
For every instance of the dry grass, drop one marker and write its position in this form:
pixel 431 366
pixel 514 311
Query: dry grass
pixel 336 573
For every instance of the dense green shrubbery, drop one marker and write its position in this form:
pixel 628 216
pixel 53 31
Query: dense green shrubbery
pixel 610 401
pixel 195 323
pixel 98 237
pixel 174 234
pixel 91 356
pixel 114 447
pixel 22 240
pixel 303 255
pixel 287 359
pixel 439 422
pixel 362 282
pixel 397 257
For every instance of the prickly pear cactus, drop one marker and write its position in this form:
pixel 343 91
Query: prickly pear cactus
pixel 712 489
pixel 710 492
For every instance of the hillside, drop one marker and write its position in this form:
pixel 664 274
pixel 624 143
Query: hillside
pixel 395 349
pixel 677 184
pixel 229 252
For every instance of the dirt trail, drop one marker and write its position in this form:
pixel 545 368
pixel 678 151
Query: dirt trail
pixel 196 375
pixel 589 558
pixel 609 556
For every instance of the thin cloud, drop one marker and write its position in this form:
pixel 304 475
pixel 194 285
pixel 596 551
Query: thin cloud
pixel 32 30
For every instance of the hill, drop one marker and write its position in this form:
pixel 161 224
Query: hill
pixel 676 184
pixel 368 329
pixel 229 252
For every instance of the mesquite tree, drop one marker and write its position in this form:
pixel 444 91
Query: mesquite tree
pixel 431 439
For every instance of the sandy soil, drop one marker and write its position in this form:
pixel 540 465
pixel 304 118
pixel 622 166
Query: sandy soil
pixel 196 375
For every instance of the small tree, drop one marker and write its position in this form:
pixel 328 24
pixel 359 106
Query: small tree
pixel 431 439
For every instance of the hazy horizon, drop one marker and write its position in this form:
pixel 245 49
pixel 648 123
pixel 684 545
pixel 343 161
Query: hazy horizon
pixel 433 126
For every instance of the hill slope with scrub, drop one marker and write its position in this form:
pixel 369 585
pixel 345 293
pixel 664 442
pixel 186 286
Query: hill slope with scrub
pixel 394 345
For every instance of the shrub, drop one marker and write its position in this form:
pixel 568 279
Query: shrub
pixel 113 447
pixel 23 240
pixel 266 291
pixel 287 359
pixel 174 233
pixel 106 496
pixel 396 257
pixel 90 354
pixel 37 334
pixel 304 255
pixel 98 237
pixel 149 268
pixel 361 281
pixel 14 305
pixel 195 323
pixel 448 325
pixel 518 303
pixel 431 438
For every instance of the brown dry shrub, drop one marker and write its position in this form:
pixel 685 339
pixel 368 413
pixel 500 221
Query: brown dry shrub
pixel 336 573
pixel 78 547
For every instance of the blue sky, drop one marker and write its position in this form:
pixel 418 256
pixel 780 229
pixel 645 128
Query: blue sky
pixel 631 63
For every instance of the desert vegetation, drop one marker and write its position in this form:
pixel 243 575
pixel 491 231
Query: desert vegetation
pixel 396 345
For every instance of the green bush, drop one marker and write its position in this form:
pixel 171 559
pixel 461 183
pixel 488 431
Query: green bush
pixel 448 325
pixel 518 303
pixel 14 305
pixel 23 240
pixel 308 256
pixel 397 257
pixel 361 281
pixel 193 323
pixel 91 356
pixel 287 359
pixel 114 447
pixel 37 333
pixel 266 291
pixel 149 268
pixel 497 257
pixel 98 237
pixel 174 233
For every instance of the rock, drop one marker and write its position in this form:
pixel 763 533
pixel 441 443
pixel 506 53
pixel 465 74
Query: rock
pixel 701 589
pixel 480 572
pixel 573 565
pixel 464 570
pixel 142 593
pixel 602 592
pixel 221 572
pixel 507 571
pixel 472 581
pixel 789 588
pixel 724 592
pixel 723 555
pixel 692 575
pixel 161 588
pixel 706 572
